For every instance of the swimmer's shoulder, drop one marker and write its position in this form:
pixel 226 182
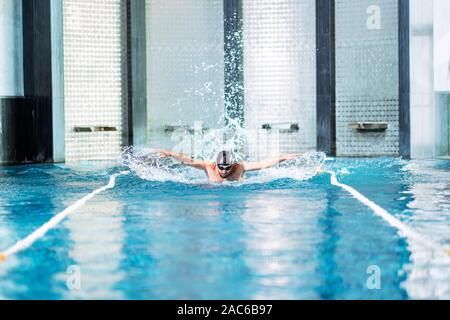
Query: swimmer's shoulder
pixel 210 165
pixel 210 170
pixel 240 167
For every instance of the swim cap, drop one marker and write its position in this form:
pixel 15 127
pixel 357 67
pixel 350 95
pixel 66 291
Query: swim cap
pixel 225 158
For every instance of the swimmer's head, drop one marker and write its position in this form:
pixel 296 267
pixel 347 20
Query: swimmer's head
pixel 225 161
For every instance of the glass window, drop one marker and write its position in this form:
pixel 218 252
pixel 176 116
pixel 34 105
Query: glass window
pixel 430 77
pixel 11 48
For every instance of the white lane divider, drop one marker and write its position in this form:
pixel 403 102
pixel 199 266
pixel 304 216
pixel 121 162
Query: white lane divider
pixel 389 218
pixel 39 233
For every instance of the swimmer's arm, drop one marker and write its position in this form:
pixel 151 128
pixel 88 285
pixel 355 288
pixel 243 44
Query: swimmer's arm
pixel 253 166
pixel 198 164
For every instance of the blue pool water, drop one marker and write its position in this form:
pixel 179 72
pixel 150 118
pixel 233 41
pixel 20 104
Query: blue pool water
pixel 278 239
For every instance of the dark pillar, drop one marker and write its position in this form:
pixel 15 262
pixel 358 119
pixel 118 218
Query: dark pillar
pixel 326 83
pixel 404 79
pixel 37 48
pixel 27 121
pixel 233 60
pixel 128 126
pixel 137 72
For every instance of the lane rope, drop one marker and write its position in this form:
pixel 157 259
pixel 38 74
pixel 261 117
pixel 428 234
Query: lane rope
pixel 389 218
pixel 53 222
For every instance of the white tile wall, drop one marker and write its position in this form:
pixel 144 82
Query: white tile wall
pixel 94 77
pixel 367 88
pixel 185 71
pixel 279 74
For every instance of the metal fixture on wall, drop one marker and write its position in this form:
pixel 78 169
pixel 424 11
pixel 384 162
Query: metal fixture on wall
pixel 369 126
pixel 282 127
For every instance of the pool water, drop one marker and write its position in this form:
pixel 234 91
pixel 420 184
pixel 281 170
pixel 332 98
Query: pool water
pixel 280 239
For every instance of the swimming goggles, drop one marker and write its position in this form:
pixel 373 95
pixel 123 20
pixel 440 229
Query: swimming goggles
pixel 224 167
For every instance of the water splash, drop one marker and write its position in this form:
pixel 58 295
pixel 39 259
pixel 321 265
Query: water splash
pixel 147 164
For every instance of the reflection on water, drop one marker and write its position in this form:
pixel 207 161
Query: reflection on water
pixel 6 234
pixel 96 240
pixel 428 274
pixel 184 248
pixel 28 196
pixel 282 235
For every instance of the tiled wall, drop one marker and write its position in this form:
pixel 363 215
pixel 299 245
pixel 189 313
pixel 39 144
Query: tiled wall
pixel 185 74
pixel 94 77
pixel 185 70
pixel 279 74
pixel 367 79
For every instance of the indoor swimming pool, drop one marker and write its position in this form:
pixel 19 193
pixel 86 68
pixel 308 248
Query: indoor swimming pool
pixel 270 237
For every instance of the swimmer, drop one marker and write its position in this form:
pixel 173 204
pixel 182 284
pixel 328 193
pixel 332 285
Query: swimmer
pixel 226 168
